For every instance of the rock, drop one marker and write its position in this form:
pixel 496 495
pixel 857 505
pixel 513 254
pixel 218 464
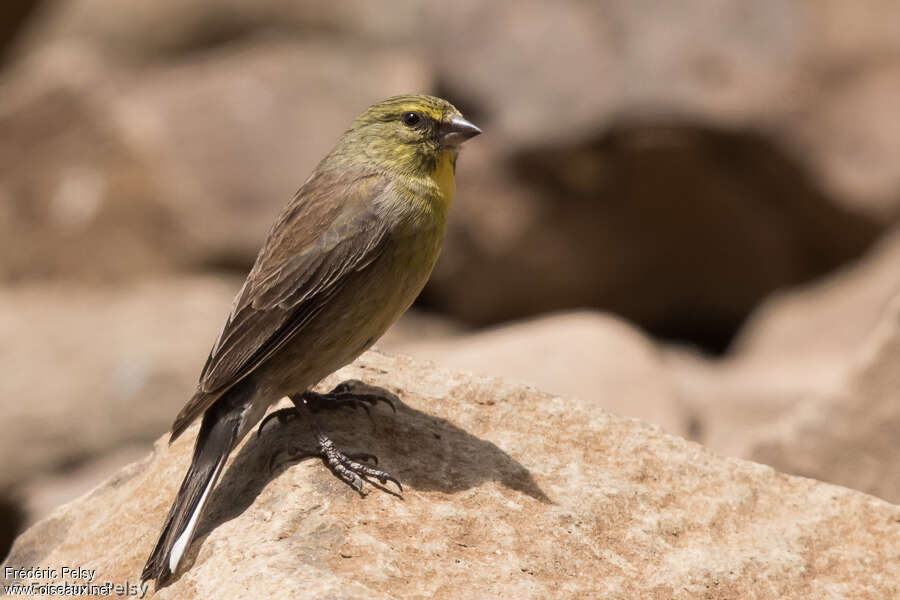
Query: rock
pixel 826 322
pixel 170 166
pixel 87 370
pixel 509 492
pixel 92 375
pixel 599 223
pixel 235 134
pixel 168 29
pixel 801 346
pixel 848 437
pixel 591 356
pixel 77 200
pixel 817 80
pixel 629 161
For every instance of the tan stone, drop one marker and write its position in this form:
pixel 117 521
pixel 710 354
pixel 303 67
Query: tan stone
pixel 509 493
pixel 800 347
pixel 592 356
pixel 89 369
pixel 849 437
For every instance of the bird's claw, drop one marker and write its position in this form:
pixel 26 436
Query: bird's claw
pixel 346 466
pixel 283 415
pixel 351 394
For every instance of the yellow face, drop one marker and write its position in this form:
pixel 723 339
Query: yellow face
pixel 411 135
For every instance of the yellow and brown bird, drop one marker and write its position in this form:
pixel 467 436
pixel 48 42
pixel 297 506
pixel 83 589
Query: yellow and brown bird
pixel 346 257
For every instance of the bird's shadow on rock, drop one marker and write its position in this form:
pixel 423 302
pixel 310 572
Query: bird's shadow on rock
pixel 426 453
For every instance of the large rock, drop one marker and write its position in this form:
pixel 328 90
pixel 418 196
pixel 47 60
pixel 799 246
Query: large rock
pixel 92 375
pixel 817 78
pixel 663 225
pixel 592 356
pixel 87 370
pixel 643 160
pixel 509 492
pixel 673 164
pixel 801 346
pixel 848 437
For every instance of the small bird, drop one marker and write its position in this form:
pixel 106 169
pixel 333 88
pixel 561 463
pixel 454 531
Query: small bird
pixel 345 258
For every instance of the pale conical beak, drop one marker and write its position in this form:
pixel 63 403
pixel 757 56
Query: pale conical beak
pixel 456 130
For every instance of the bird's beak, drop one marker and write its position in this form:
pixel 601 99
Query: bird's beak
pixel 456 130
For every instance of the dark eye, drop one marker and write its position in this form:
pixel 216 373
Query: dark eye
pixel 410 119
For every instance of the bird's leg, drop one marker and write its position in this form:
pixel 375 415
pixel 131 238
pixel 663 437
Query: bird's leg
pixel 345 466
pixel 352 394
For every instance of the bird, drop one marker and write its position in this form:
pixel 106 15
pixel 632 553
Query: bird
pixel 345 258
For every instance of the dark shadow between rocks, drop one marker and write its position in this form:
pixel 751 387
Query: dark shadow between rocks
pixel 680 227
pixel 12 521
pixel 423 451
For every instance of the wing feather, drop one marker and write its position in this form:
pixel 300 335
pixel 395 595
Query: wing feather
pixel 326 233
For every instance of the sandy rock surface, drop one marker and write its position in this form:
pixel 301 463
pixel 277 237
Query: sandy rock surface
pixel 510 492
pixel 588 355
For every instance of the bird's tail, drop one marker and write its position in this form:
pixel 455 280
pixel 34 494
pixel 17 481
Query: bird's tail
pixel 218 436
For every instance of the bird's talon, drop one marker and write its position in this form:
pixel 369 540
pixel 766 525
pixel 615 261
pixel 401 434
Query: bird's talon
pixel 283 415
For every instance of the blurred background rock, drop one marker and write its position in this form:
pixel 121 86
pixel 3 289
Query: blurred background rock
pixel 652 175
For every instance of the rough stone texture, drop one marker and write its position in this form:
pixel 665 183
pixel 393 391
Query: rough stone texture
pixel 591 356
pixel 801 346
pixel 850 436
pixel 510 493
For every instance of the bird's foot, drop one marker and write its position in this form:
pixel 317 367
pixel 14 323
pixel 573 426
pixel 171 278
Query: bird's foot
pixel 346 466
pixel 352 394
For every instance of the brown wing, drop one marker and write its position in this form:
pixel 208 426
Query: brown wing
pixel 327 232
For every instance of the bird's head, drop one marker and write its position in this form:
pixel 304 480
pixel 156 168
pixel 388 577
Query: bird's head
pixel 407 134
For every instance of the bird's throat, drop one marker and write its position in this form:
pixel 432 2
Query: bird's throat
pixel 445 168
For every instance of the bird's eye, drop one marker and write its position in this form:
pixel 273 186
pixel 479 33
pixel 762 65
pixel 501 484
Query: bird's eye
pixel 411 119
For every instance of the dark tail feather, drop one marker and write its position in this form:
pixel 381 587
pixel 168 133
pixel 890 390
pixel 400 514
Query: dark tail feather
pixel 217 437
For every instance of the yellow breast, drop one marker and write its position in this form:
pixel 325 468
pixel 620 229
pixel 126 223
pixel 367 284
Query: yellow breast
pixel 443 176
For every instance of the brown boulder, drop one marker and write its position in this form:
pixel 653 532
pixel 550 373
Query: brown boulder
pixel 509 492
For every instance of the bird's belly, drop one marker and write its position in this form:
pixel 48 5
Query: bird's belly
pixel 368 303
